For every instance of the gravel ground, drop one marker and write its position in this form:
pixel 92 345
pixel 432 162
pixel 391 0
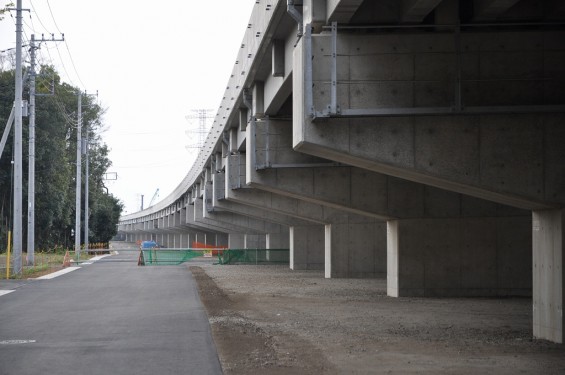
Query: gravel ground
pixel 271 320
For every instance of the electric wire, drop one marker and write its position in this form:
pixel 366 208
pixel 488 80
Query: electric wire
pixel 38 18
pixel 55 22
pixel 67 46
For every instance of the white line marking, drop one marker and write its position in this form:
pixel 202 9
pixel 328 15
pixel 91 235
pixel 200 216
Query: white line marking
pixel 3 292
pixel 13 342
pixel 94 259
pixel 58 273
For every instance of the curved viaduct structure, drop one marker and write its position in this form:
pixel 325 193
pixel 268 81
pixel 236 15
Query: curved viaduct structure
pixel 421 140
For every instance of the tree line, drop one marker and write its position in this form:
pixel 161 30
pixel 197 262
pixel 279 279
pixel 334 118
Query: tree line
pixel 55 164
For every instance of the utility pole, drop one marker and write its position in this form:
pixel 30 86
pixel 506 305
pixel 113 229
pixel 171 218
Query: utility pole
pixel 86 151
pixel 31 162
pixel 17 257
pixel 86 208
pixel 31 156
pixel 78 177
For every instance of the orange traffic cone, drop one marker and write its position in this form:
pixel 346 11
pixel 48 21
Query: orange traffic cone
pixel 67 260
pixel 141 259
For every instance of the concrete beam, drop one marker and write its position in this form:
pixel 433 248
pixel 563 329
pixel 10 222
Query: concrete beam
pixel 227 222
pixel 498 157
pixel 491 9
pixel 220 202
pixel 272 165
pixel 416 10
pixel 342 11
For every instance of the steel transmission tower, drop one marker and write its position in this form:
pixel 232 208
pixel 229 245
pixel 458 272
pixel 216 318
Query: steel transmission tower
pixel 198 126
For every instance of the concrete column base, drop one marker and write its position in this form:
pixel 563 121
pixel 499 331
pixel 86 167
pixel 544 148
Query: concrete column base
pixel 355 248
pixel 548 281
pixel 459 257
pixel 306 244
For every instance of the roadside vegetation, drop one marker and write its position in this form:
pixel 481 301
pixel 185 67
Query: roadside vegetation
pixel 55 165
pixel 45 263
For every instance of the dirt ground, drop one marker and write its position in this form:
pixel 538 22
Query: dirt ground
pixel 271 320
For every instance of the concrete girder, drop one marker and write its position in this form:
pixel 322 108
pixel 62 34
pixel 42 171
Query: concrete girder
pixel 497 157
pixel 346 188
pixel 491 9
pixel 260 214
pixel 218 225
pixel 417 10
pixel 231 222
pixel 192 222
pixel 293 207
pixel 342 11
pixel 245 224
pixel 219 201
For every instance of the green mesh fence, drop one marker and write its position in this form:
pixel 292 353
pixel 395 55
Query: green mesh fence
pixel 164 257
pixel 254 256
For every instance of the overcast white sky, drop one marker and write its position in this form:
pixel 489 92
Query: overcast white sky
pixel 152 63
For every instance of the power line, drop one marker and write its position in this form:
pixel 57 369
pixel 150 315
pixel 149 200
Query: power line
pixel 66 45
pixel 55 22
pixel 38 18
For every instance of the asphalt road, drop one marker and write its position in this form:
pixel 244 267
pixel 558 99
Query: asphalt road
pixel 106 318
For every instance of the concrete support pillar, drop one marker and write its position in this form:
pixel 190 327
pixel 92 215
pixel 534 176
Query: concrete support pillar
pixel 306 245
pixel 236 241
pixel 355 249
pixel 548 281
pixel 459 257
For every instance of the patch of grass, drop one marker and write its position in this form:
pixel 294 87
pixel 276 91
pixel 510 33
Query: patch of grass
pixel 45 263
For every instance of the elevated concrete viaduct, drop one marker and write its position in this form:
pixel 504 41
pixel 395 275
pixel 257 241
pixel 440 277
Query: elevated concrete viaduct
pixel 421 140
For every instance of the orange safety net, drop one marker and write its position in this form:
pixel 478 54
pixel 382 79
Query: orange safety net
pixel 215 249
